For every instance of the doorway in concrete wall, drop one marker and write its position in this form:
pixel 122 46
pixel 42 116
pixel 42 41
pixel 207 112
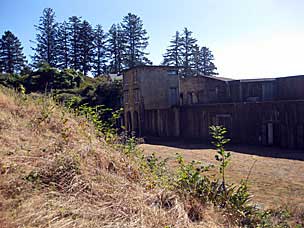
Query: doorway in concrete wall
pixel 121 121
pixel 300 136
pixel 225 120
pixel 136 123
pixel 129 122
pixel 271 134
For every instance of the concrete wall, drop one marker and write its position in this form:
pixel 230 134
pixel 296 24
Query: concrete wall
pixel 162 122
pixel 259 123
pixel 252 90
pixel 290 88
pixel 155 85
pixel 261 112
pixel 147 88
pixel 201 90
pixel 131 102
pixel 249 123
pixel 287 88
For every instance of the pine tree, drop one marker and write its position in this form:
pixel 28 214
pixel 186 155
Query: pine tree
pixel 63 46
pixel 45 50
pixel 12 58
pixel 187 51
pixel 2 63
pixel 136 41
pixel 116 48
pixel 86 47
pixel 197 61
pixel 75 42
pixel 208 68
pixel 100 51
pixel 172 56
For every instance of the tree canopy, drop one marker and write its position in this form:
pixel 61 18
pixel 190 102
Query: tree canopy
pixel 12 59
pixel 45 50
pixel 185 54
pixel 136 41
pixel 76 44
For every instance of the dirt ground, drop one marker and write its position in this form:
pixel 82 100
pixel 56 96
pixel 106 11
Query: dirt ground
pixel 276 179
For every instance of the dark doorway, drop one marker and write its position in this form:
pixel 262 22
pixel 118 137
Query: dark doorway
pixel 271 134
pixel 129 121
pixel 136 123
pixel 225 120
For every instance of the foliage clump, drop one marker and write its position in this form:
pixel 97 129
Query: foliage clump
pixel 48 78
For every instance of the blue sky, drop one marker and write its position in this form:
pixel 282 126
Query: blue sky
pixel 249 38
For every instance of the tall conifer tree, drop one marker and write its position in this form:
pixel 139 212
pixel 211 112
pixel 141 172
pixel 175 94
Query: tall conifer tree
pixel 172 57
pixel 187 51
pixel 196 63
pixel 45 50
pixel 12 59
pixel 63 46
pixel 116 48
pixel 207 66
pixel 136 41
pixel 100 51
pixel 75 42
pixel 86 47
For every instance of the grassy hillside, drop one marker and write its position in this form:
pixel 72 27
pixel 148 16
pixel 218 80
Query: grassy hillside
pixel 55 172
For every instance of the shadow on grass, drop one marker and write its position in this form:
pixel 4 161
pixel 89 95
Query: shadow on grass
pixel 264 151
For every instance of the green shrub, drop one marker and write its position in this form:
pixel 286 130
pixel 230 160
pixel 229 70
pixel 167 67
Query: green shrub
pixel 222 156
pixel 10 80
pixel 189 179
pixel 48 78
pixel 104 119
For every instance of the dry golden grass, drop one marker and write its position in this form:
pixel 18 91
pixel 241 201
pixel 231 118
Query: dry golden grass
pixel 54 172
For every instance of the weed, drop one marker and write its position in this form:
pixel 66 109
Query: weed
pixel 104 119
pixel 47 109
pixel 33 176
pixel 157 170
pixel 130 146
pixel 222 156
pixel 189 179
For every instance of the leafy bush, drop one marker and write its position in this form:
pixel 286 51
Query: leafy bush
pixel 189 179
pixel 69 99
pixel 109 94
pixel 10 80
pixel 222 156
pixel 104 119
pixel 47 78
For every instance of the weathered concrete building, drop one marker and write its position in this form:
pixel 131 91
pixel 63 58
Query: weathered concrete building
pixel 148 88
pixel 204 90
pixel 256 111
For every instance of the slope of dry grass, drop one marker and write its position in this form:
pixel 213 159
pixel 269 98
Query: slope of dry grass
pixel 54 172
